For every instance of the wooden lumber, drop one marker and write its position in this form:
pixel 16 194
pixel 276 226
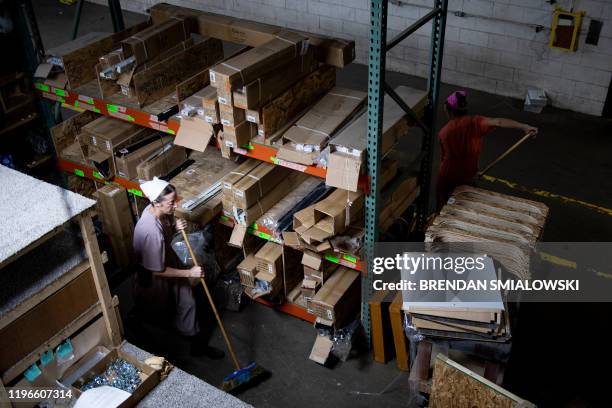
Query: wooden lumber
pixel 332 51
pixel 419 372
pixel 456 386
pixel 402 356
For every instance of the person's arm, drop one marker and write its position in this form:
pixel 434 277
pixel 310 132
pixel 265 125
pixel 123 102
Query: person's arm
pixel 194 272
pixel 510 124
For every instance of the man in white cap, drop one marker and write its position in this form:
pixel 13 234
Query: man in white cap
pixel 161 289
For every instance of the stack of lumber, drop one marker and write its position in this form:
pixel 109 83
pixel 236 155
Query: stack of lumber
pixel 500 225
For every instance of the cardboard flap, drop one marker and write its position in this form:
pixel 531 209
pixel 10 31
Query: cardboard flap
pixel 43 70
pixel 238 235
pixel 292 239
pixel 315 235
pixel 98 156
pixel 324 246
pixel 303 219
pixel 312 260
pixel 321 350
pixel 194 134
pixel 343 171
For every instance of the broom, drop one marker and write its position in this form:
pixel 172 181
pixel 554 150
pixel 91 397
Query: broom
pixel 242 375
pixel 528 135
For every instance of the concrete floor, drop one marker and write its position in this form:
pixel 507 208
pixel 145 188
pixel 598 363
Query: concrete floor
pixel 556 346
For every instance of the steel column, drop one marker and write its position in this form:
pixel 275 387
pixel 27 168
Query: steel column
pixel 438 27
pixel 376 80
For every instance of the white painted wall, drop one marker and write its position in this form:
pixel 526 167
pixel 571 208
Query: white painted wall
pixel 481 53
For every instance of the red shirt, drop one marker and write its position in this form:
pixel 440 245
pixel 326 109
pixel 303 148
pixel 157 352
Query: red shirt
pixel 460 145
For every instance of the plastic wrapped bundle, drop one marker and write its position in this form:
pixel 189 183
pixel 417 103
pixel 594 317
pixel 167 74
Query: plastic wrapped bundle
pixel 279 217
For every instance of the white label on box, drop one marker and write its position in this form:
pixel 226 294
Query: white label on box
pixel 229 144
pixel 212 76
pixel 208 119
pixel 226 122
pixel 260 132
pixel 94 141
pixel 200 112
pixel 239 193
pixel 291 165
pixel 251 118
pixel 270 269
pixel 330 315
pixel 108 145
pixel 222 101
pixel 227 185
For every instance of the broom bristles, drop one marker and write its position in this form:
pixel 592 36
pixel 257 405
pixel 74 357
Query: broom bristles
pixel 241 377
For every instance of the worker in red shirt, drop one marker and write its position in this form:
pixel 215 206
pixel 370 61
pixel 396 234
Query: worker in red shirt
pixel 461 142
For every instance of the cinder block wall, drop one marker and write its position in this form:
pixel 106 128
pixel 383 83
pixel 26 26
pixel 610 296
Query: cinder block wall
pixel 494 48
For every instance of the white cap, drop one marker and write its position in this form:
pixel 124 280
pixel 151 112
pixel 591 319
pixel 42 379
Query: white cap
pixel 152 189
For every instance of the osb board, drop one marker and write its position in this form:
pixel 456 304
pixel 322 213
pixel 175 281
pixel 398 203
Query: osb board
pixel 208 168
pixel 455 386
pixel 301 95
pixel 79 64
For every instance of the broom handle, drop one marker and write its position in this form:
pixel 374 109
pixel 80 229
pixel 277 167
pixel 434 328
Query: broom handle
pixel 504 154
pixel 212 304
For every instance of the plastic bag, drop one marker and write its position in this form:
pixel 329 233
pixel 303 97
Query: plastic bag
pixel 202 243
pixel 343 340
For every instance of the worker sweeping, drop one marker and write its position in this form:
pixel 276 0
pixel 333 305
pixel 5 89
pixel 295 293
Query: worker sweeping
pixel 161 289
pixel 461 143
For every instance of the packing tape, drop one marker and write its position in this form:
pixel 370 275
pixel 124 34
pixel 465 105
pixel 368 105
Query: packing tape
pixel 345 96
pixel 258 180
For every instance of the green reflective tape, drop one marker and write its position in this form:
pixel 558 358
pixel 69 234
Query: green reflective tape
pixel 98 175
pixel 90 101
pixel 224 218
pixel 274 160
pixel 254 226
pixel 62 100
pixel 332 258
pixel 42 87
pixel 249 146
pixel 130 118
pixel 76 104
pixel 112 108
pixel 79 172
pixel 350 258
pixel 172 132
pixel 60 92
pixel 96 110
pixel 263 235
pixel 135 192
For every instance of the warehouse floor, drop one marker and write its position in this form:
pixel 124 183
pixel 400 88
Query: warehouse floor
pixel 556 345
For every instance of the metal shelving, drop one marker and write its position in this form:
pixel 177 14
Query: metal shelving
pixel 377 86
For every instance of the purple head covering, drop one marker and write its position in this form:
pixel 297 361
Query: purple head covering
pixel 457 100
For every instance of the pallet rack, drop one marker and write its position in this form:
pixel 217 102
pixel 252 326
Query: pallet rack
pixel 369 183
pixel 377 86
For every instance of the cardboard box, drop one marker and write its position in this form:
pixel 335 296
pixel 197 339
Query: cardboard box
pixel 250 215
pixel 312 260
pixel 305 140
pixel 162 163
pixel 321 349
pixel 210 105
pixel 273 283
pixel 309 287
pixel 270 259
pixel 231 116
pixel 236 175
pixel 194 133
pixel 295 101
pixel 150 377
pixel 108 134
pixel 320 275
pixel 239 135
pixel 247 270
pixel 349 145
pixel 339 298
pixel 382 336
pixel 117 220
pixel 129 157
pixel 257 183
pixel 267 87
pixel 252 64
pixel 157 38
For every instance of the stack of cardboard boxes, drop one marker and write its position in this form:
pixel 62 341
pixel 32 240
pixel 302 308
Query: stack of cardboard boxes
pixel 116 216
